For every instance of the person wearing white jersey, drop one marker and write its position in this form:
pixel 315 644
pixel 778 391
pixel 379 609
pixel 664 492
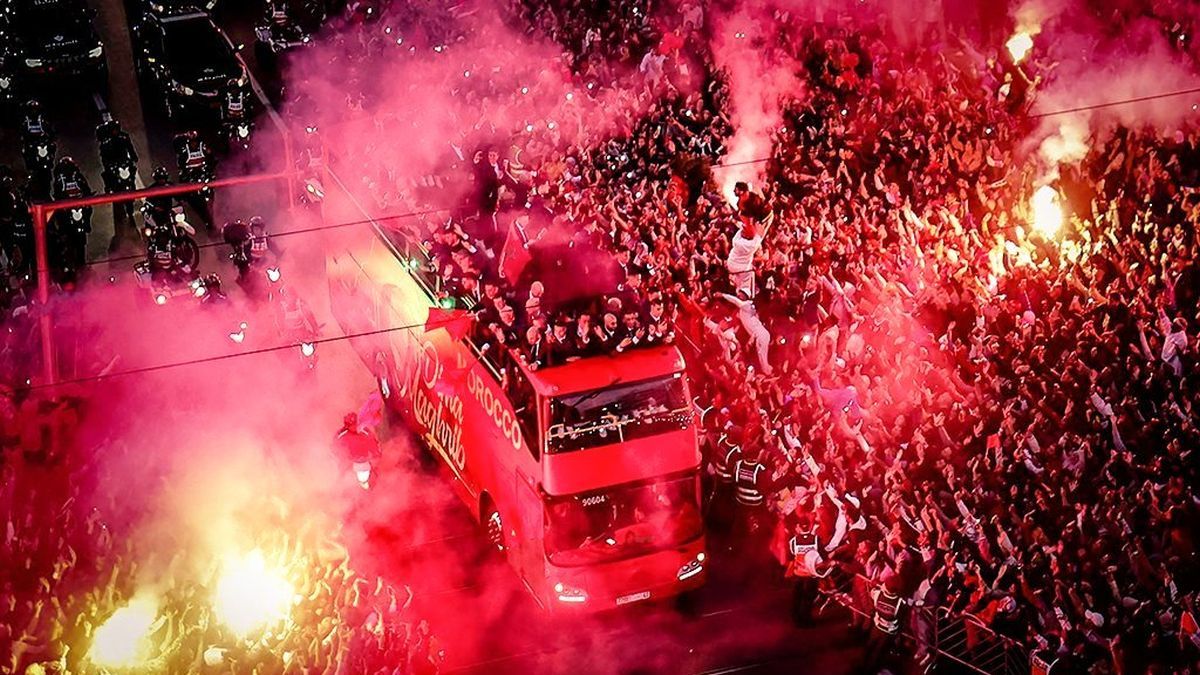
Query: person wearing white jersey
pixel 748 239
pixel 760 337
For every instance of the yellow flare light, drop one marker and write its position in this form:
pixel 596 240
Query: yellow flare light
pixel 123 640
pixel 251 595
pixel 1047 212
pixel 1019 45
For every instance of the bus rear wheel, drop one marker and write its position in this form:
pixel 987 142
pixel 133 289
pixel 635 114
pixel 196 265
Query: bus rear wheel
pixel 493 524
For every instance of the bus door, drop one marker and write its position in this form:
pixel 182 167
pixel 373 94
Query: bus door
pixel 529 531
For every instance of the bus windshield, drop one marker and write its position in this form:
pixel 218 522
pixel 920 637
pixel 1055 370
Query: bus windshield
pixel 618 413
pixel 623 521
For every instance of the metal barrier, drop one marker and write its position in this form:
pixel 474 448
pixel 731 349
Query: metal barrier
pixel 961 641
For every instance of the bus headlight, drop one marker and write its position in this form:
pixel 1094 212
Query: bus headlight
pixel 569 594
pixel 691 568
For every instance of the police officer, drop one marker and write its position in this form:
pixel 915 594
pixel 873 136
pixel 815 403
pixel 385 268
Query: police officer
pixel 38 150
pixel 34 123
pixel 16 227
pixel 196 165
pixel 260 242
pixel 119 161
pixel 808 566
pixel 237 234
pixel 887 610
pixel 158 209
pixel 729 453
pixel 233 107
pixel 749 479
pixel 70 226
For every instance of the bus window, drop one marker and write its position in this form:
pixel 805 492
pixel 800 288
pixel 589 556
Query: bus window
pixel 525 404
pixel 618 413
pixel 623 521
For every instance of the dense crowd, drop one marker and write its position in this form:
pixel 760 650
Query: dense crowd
pixel 974 413
pixel 68 567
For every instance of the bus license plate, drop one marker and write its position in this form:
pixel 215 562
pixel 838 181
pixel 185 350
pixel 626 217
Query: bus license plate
pixel 632 597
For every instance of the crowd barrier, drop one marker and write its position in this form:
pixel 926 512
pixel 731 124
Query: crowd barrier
pixel 958 642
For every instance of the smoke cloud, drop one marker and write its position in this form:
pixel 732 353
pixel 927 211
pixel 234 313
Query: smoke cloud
pixel 1132 51
pixel 760 76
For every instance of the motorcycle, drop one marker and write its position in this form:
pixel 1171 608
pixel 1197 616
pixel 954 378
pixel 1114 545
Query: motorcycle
pixel 208 289
pixel 204 176
pixel 121 177
pixel 236 134
pixel 69 234
pixel 236 125
pixel 161 273
pixel 172 227
pixel 280 32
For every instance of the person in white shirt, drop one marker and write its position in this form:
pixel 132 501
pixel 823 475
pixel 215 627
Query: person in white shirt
pixel 747 241
pixel 1175 342
pixel 760 337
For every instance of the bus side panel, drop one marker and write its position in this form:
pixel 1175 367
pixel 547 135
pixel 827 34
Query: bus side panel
pixel 448 397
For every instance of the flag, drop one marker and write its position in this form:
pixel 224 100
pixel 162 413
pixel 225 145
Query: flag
pixel 515 256
pixel 452 376
pixel 1188 628
pixel 457 322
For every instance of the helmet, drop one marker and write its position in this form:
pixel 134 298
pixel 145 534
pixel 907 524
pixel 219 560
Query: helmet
pixel 108 127
pixel 189 135
pixel 257 222
pixel 33 107
pixel 350 420
pixel 67 162
pixel 160 175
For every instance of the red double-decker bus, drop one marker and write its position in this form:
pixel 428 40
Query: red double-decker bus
pixel 585 474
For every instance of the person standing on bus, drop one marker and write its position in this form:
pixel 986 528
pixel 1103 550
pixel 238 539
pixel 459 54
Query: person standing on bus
pixel 585 340
pixel 560 346
pixel 534 352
